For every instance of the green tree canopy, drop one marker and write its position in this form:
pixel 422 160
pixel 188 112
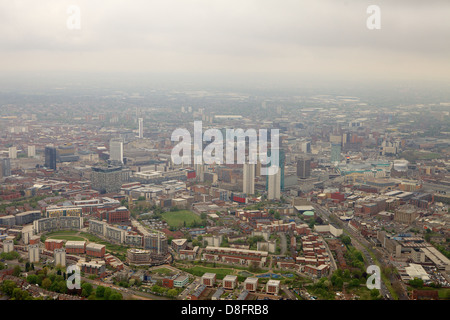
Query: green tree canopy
pixel 99 293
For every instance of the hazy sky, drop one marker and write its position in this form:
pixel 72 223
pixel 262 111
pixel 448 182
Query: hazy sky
pixel 322 37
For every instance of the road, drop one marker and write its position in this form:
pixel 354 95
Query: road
pixel 359 243
pixel 283 243
pixel 189 288
pixel 288 293
pixel 128 294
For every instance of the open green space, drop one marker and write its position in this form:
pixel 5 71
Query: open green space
pixel 163 271
pixel 199 271
pixel 413 155
pixel 67 238
pixel 181 218
pixel 60 233
pixel 245 274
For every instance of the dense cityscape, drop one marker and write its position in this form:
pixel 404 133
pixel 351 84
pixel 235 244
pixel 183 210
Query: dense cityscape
pixel 226 159
pixel 91 183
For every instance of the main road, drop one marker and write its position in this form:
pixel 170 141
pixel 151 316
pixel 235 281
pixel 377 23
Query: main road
pixel 128 294
pixel 358 242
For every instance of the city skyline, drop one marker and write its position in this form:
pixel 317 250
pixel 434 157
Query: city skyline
pixel 229 153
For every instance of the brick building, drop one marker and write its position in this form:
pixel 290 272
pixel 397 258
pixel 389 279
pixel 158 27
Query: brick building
pixel 52 244
pixel 230 282
pixel 209 279
pixel 251 284
pixel 75 247
pixel 95 250
pixel 273 286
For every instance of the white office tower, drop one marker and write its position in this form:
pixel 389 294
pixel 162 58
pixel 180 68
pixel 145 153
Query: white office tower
pixel 31 151
pixel 8 246
pixel 116 150
pixel 60 257
pixel 13 152
pixel 249 179
pixel 199 170
pixel 141 128
pixel 33 253
pixel 274 187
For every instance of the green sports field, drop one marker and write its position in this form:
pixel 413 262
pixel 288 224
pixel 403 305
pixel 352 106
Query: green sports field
pixel 176 219
pixel 68 238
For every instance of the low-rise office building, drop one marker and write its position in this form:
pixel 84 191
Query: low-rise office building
pixel 273 287
pixel 230 282
pixel 251 284
pixel 95 250
pixel 209 279
pixel 76 247
pixel 138 256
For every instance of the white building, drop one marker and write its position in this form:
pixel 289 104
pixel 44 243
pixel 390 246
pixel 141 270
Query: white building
pixel 27 233
pixel 417 271
pixel 328 228
pixel 249 179
pixel 141 128
pixel 31 151
pixel 116 150
pixel 13 152
pixel 274 186
pixel 199 170
pixel 60 257
pixel 8 246
pixel 33 253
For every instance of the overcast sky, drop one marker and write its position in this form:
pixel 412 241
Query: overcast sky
pixel 321 37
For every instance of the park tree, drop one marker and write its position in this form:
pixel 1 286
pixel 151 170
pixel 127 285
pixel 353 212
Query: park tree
pixel 172 293
pixel 107 293
pixel 354 283
pixel 346 240
pixel 17 271
pixel 116 296
pixel 32 278
pixel 99 293
pixel 346 274
pixel 62 287
pixel 87 289
pixel 40 278
pixel 416 283
pixel 375 294
pixel 46 283
pixel 19 294
pixel 8 287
